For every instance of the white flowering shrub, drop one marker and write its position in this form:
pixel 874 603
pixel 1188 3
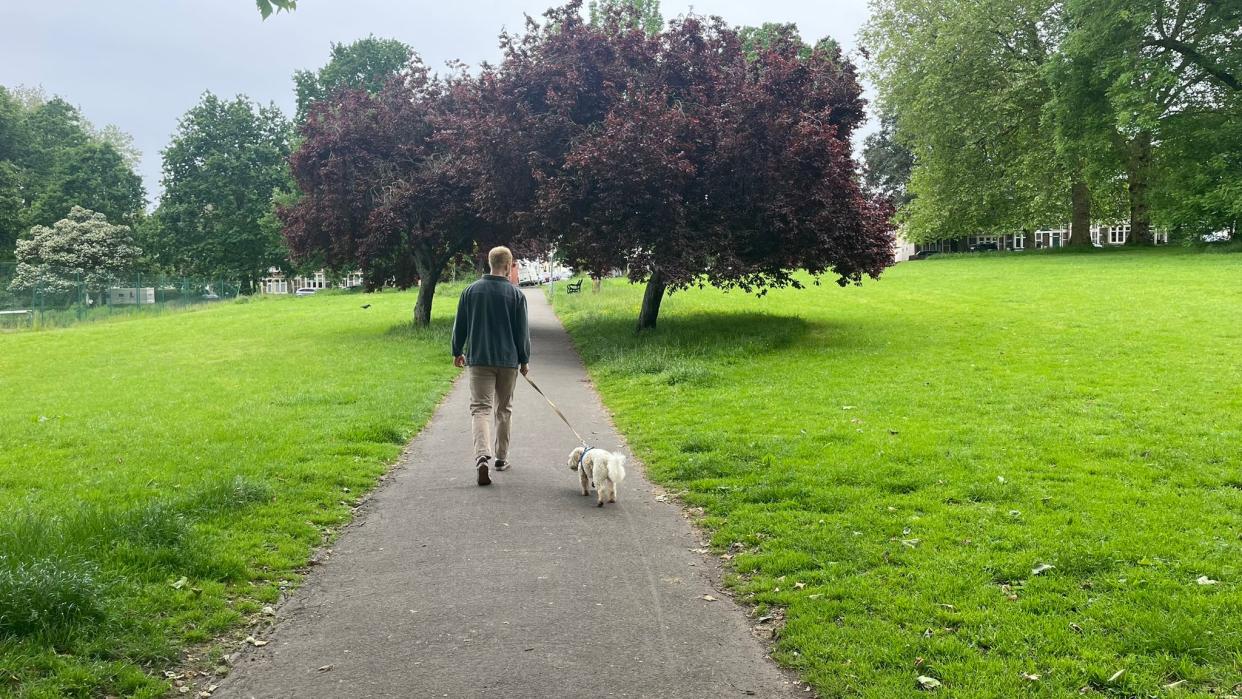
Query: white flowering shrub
pixel 80 249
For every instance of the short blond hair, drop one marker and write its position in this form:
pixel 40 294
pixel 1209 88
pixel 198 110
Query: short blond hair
pixel 499 256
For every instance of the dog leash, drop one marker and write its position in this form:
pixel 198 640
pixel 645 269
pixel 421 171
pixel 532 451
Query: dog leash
pixel 555 409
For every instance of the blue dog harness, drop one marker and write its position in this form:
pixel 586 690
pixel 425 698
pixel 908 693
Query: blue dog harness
pixel 583 455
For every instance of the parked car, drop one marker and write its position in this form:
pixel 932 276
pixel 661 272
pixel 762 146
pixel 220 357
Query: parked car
pixel 922 254
pixel 305 291
pixel 981 247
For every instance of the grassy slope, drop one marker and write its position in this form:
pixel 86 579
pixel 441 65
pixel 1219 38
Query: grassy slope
pixel 911 450
pixel 220 445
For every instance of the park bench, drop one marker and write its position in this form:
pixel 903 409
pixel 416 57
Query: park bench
pixel 574 288
pixel 22 312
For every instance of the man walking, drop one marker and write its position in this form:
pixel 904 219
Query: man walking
pixel 491 337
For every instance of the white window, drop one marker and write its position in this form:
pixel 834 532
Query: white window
pixel 1117 234
pixel 1159 237
pixel 1019 241
pixel 1049 239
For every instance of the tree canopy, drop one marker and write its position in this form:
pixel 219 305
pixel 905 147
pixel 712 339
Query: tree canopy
pixel 388 181
pixel 52 159
pixel 1028 113
pixel 685 160
pixel 887 163
pixel 366 64
pixel 220 171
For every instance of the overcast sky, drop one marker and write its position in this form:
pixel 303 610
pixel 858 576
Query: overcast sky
pixel 140 64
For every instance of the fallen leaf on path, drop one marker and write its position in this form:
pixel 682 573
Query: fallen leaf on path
pixel 709 598
pixel 324 668
pixel 255 642
pixel 927 683
pixel 269 610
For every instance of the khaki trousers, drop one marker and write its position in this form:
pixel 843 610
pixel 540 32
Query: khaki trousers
pixel 491 397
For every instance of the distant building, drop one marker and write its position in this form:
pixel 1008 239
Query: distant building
pixel 1101 236
pixel 276 283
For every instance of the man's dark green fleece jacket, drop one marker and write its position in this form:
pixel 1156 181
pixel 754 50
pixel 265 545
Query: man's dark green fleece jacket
pixel 491 328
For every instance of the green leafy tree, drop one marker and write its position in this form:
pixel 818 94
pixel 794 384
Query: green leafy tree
pixel 1197 188
pixel 887 163
pixel 80 249
pixel 1015 108
pixel 365 64
pixel 967 87
pixel 51 159
pixel 12 201
pixel 769 34
pixel 1162 64
pixel 637 14
pixel 220 171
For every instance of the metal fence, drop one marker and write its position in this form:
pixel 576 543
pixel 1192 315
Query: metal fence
pixel 31 299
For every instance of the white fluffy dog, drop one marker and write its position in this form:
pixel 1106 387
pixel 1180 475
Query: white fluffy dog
pixel 599 468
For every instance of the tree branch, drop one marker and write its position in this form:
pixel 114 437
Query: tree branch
pixel 1192 54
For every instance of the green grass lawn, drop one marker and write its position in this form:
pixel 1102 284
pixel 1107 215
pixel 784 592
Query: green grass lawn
pixel 891 464
pixel 162 478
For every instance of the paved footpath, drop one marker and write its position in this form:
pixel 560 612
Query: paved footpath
pixel 521 589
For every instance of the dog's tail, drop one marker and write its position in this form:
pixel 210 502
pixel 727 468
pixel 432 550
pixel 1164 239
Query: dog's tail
pixel 616 468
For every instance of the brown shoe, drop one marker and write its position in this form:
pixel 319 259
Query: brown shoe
pixel 501 465
pixel 481 467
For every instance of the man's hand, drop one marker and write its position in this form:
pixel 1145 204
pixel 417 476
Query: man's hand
pixel 525 369
pixel 460 361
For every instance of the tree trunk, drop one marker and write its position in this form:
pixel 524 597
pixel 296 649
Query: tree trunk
pixel 1138 175
pixel 428 277
pixel 651 300
pixel 1080 215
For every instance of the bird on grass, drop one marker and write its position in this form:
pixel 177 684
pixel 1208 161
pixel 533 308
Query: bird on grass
pixel 366 305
